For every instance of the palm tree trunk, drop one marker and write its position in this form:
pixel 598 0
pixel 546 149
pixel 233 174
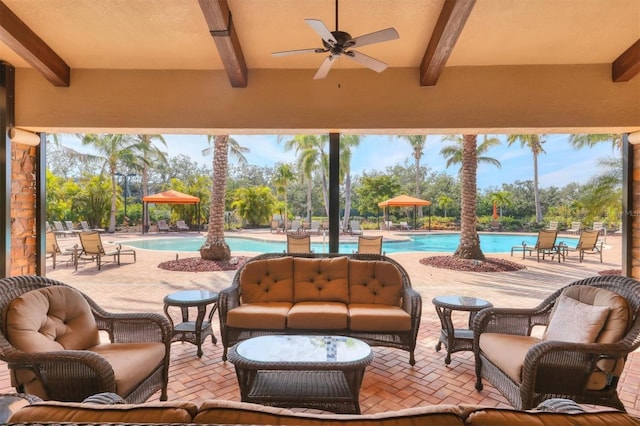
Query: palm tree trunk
pixel 536 192
pixel 469 247
pixel 215 248
pixel 112 215
pixel 417 191
pixel 347 200
pixel 309 199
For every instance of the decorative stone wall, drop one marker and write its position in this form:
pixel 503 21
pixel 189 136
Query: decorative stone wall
pixel 634 219
pixel 23 210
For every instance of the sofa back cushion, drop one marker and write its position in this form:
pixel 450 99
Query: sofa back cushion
pixel 508 417
pixel 51 319
pixel 324 279
pixel 374 282
pixel 267 280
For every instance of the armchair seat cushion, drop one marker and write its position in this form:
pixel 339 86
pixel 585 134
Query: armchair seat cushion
pixel 377 317
pixel 265 316
pixel 507 352
pixel 318 315
pixel 131 362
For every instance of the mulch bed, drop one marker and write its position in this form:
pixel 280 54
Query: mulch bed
pixel 197 264
pixel 490 264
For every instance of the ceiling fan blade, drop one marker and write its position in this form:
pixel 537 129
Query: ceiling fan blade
pixel 375 37
pixel 319 27
pixel 294 52
pixel 324 68
pixel 367 61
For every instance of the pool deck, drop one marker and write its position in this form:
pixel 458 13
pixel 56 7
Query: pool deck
pixel 390 383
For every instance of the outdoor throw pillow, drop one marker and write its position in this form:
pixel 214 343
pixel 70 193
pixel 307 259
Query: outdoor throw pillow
pixel 574 321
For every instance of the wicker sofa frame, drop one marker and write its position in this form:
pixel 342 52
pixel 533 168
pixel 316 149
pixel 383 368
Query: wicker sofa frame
pixel 230 298
pixel 72 375
pixel 554 369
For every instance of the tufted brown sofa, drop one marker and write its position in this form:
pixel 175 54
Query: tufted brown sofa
pixel 362 296
pixel 229 412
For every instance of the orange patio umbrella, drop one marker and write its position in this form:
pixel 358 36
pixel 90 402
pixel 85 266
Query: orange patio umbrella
pixel 168 197
pixel 406 201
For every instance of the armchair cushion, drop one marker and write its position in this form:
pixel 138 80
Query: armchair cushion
pixel 374 282
pixel 271 281
pixel 507 351
pixel 51 319
pixel 321 279
pixel 318 315
pixel 574 321
pixel 265 316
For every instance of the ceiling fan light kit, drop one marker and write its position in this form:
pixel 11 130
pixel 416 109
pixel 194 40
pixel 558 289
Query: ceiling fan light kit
pixel 339 43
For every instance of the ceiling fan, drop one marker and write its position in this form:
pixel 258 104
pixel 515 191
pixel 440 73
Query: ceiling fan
pixel 339 43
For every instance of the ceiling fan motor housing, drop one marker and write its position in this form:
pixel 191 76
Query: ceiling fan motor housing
pixel 343 41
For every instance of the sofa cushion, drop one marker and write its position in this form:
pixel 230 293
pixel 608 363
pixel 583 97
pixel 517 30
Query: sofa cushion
pixel 318 316
pixel 265 316
pixel 324 279
pixel 376 317
pixel 76 412
pixel 267 280
pixel 574 321
pixel 374 282
pixel 507 417
pixel 230 412
pixel 131 362
pixel 51 319
pixel 507 351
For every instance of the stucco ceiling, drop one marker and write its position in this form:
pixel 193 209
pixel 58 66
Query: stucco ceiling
pixel 173 34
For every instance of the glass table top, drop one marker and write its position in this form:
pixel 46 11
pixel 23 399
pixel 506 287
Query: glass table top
pixel 462 301
pixel 285 348
pixel 191 296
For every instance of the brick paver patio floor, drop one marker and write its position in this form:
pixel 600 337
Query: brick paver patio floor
pixel 390 383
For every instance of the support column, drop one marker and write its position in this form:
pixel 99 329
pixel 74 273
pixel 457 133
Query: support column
pixel 334 192
pixel 7 98
pixel 41 205
pixel 631 205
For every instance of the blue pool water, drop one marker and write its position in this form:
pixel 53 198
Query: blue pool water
pixel 447 243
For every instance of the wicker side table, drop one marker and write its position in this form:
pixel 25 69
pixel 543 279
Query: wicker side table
pixel 321 372
pixel 192 331
pixel 460 339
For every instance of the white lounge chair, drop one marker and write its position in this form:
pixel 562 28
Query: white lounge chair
pixel 182 226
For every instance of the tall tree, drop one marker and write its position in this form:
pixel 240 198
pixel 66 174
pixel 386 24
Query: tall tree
pixel 309 151
pixel 469 247
pixel 580 141
pixel 151 154
pixel 445 202
pixel 453 154
pixel 284 174
pixel 347 142
pixel 534 143
pixel 417 143
pixel 501 199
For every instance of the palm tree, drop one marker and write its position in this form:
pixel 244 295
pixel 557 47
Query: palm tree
pixel 215 247
pixel 417 143
pixel 580 141
pixel 346 143
pixel 114 151
pixel 308 149
pixel 150 154
pixel 534 143
pixel 445 202
pixel 454 155
pixel 469 247
pixel 501 199
pixel 281 179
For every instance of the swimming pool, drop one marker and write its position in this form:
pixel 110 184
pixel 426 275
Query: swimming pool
pixel 490 243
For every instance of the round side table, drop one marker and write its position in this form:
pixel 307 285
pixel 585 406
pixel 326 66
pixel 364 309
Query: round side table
pixel 193 332
pixel 457 339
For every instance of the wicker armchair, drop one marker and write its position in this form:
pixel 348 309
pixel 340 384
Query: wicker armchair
pixel 528 369
pixel 50 337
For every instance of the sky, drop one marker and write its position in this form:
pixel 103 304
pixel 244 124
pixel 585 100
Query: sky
pixel 559 165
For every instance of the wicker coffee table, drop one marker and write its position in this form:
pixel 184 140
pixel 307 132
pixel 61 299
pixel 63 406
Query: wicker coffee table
pixel 322 372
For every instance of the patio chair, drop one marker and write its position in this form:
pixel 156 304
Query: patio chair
pixel 93 249
pixel 52 249
pixel 52 339
pixel 182 226
pixel 405 226
pixel 275 226
pixel 315 227
pixel 354 228
pixel 545 245
pixel 369 245
pixel 296 225
pixel 599 226
pixel 298 243
pixel 86 228
pixel 553 226
pixel 59 229
pixel 587 244
pixel 575 228
pixel 162 226
pixel 70 226
pixel 591 326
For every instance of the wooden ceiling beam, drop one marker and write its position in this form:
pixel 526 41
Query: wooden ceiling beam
pixel 627 65
pixel 451 21
pixel 220 23
pixel 22 40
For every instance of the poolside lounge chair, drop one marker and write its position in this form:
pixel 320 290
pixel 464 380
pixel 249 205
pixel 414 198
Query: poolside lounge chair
pixel 182 226
pixel 405 226
pixel 599 226
pixel 52 249
pixel 70 226
pixel 162 225
pixel 315 227
pixel 296 225
pixel 587 244
pixel 60 230
pixel 93 249
pixel 275 226
pixel 575 228
pixel 85 227
pixel 354 228
pixel 298 243
pixel 553 226
pixel 545 245
pixel 369 245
